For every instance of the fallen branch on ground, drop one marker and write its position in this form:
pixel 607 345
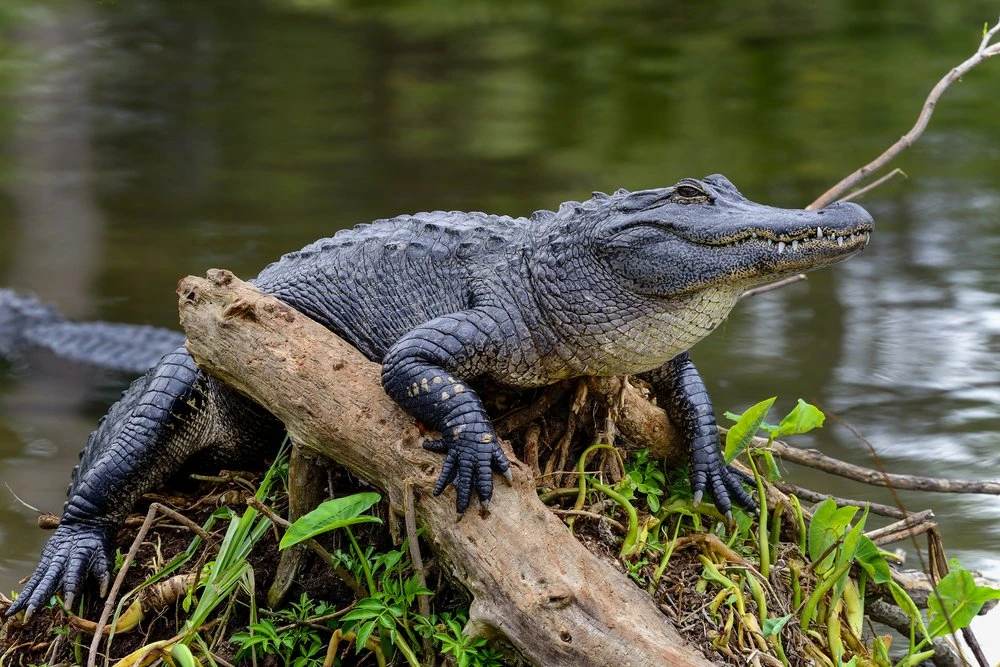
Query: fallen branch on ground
pixel 530 579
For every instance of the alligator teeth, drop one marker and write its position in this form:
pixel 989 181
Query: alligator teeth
pixel 781 247
pixel 770 242
pixel 868 238
pixel 840 240
pixel 753 235
pixel 795 245
pixel 819 233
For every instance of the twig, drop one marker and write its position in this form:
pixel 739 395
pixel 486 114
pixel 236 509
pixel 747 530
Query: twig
pixel 109 604
pixel 985 50
pixel 819 461
pixel 874 184
pixel 754 291
pixel 911 526
pixel 18 499
pixel 589 515
pixel 410 521
pixel 907 522
pixel 518 419
pixel 817 497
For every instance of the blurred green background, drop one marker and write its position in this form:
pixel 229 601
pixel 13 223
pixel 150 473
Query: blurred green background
pixel 141 141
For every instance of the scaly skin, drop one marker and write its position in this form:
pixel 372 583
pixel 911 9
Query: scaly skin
pixel 27 322
pixel 619 284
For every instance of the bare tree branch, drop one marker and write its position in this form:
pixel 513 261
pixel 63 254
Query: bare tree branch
pixel 985 51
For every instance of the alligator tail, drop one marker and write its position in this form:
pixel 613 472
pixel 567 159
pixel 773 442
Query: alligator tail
pixel 27 322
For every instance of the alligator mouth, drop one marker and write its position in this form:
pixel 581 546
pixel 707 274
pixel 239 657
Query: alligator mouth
pixel 816 238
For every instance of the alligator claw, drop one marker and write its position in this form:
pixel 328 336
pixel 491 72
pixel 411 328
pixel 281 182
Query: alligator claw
pixel 75 551
pixel 726 485
pixel 469 463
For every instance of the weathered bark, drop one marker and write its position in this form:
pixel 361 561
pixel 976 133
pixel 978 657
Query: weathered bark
pixel 531 581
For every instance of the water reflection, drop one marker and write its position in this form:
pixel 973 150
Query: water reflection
pixel 146 140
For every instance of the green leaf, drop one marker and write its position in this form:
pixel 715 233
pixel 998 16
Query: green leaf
pixel 331 515
pixel 773 626
pixel 871 559
pixel 363 633
pixel 827 526
pixel 986 28
pixel 803 418
pixel 957 597
pixel 653 502
pixel 765 425
pixel 745 428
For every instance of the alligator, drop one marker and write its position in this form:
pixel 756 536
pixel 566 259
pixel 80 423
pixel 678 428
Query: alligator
pixel 620 284
pixel 26 322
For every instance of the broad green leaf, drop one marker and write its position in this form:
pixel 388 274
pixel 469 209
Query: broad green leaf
pixel 872 560
pixel 765 425
pixel 773 626
pixel 957 597
pixel 331 515
pixel 803 418
pixel 829 523
pixel 745 428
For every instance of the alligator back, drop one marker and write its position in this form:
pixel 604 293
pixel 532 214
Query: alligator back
pixel 373 283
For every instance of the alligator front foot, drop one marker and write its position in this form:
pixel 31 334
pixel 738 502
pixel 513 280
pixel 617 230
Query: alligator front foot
pixel 470 461
pixel 75 551
pixel 725 483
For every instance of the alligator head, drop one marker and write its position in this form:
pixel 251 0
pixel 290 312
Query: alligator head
pixel 701 234
pixel 629 280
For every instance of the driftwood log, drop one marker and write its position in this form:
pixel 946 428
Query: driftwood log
pixel 530 580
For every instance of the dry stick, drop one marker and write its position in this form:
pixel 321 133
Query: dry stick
pixel 874 184
pixel 985 50
pixel 770 287
pixel 906 524
pixel 109 604
pixel 410 521
pixel 816 497
pixel 819 461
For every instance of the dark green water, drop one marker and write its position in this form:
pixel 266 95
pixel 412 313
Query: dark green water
pixel 142 141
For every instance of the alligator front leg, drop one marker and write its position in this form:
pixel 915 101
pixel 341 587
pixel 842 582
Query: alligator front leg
pixel 681 392
pixel 425 371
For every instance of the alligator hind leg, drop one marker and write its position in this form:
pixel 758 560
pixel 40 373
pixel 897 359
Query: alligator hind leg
pixel 681 392
pixel 172 412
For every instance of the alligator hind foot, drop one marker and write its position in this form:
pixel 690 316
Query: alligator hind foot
pixel 75 552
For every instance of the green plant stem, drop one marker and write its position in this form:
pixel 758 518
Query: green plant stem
pixel 365 565
pixel 824 586
pixel 631 536
pixel 404 648
pixel 765 542
pixel 581 465
pixel 667 553
pixel 801 520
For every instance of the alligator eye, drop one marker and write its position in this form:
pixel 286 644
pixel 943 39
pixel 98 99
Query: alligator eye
pixel 689 194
